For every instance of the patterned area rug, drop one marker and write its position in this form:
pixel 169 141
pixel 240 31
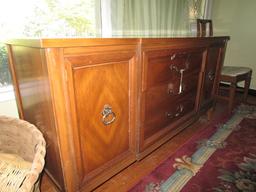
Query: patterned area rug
pixel 221 158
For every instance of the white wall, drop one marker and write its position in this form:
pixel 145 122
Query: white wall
pixel 237 19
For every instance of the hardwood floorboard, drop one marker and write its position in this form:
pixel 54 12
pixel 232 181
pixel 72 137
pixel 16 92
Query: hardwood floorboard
pixel 127 178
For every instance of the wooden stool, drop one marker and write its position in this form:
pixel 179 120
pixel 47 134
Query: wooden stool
pixel 233 75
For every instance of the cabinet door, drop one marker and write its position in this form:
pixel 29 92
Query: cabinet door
pixel 101 91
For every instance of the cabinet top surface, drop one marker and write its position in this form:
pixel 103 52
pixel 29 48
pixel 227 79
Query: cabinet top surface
pixel 78 42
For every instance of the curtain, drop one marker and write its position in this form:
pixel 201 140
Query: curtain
pixel 152 18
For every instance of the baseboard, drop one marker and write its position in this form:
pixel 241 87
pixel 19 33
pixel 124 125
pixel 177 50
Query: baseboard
pixel 251 92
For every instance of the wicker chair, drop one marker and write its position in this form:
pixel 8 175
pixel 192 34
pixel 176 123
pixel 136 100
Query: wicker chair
pixel 22 152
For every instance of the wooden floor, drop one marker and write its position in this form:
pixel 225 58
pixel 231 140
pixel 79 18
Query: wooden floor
pixel 124 180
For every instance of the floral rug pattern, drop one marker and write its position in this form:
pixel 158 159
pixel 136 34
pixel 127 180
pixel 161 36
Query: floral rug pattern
pixel 244 179
pixel 222 158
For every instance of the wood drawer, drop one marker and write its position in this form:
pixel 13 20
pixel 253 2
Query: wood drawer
pixel 157 118
pixel 165 94
pixel 161 66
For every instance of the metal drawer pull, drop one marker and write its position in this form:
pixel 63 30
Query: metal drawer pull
pixel 108 116
pixel 179 111
pixel 181 90
pixel 181 81
pixel 181 71
pixel 173 57
pixel 211 75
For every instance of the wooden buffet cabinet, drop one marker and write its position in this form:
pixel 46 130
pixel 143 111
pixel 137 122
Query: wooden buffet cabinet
pixel 102 104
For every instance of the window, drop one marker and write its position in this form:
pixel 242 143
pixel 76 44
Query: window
pixel 91 18
pixel 41 18
pixel 5 77
pixel 48 18
pixel 7 101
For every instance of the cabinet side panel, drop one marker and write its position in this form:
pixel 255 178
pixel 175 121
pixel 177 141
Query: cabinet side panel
pixel 32 83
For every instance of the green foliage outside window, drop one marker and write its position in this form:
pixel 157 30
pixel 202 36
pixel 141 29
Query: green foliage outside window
pixel 57 18
pixel 45 19
pixel 5 77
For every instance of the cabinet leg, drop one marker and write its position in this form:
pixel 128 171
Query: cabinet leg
pixel 210 113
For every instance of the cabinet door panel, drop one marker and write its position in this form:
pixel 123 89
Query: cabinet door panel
pixel 102 99
pixel 96 87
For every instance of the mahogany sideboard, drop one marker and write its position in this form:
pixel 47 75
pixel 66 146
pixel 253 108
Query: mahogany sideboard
pixel 102 103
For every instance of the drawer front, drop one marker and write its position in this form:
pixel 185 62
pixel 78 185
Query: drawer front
pixel 158 96
pixel 161 66
pixel 170 111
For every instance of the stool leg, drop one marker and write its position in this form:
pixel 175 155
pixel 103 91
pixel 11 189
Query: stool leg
pixel 231 96
pixel 246 86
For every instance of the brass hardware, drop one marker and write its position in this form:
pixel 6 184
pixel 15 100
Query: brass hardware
pixel 181 81
pixel 181 90
pixel 179 111
pixel 181 72
pixel 108 116
pixel 211 75
pixel 173 56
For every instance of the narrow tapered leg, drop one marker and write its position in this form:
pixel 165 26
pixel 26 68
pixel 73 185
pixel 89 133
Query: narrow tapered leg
pixel 246 86
pixel 231 97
